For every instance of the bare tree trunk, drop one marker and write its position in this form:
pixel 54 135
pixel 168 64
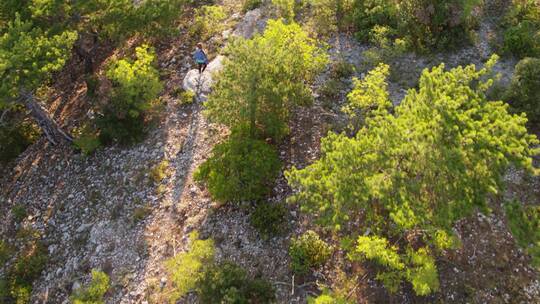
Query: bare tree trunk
pixel 4 113
pixel 50 128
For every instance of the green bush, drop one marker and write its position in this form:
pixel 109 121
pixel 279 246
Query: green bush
pixel 385 47
pixel 524 91
pixel 6 251
pixel 140 213
pixel 368 14
pixel 285 9
pixel 331 89
pixel 264 78
pixel 308 251
pixel 327 297
pixel 269 219
pixel 196 270
pixel 251 5
pixel 87 139
pixel 187 269
pixel 522 33
pixel 524 223
pixel 19 213
pixel 92 85
pixel 342 69
pixel 418 266
pixel 423 23
pixel 187 97
pixel 522 40
pixel 209 20
pixel 323 18
pixel 94 292
pixel 136 85
pixel 228 283
pixel 160 171
pixel 15 137
pixel 17 287
pixel 4 290
pixel 120 19
pixel 376 180
pixel 240 169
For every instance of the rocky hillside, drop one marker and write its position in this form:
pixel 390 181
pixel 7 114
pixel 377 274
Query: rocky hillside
pixel 127 209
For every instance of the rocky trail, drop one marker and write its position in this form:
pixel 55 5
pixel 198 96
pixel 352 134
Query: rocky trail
pixel 109 212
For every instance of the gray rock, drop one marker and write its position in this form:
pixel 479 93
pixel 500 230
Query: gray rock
pixel 83 228
pixel 201 84
pixel 247 27
pixel 226 34
pixel 76 286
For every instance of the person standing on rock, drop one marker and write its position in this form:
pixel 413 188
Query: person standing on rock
pixel 201 58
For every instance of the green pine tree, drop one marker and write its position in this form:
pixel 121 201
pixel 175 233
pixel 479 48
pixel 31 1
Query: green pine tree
pixel 416 172
pixel 28 57
pixel 263 77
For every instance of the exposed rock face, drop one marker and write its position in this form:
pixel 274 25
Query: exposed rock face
pixel 201 84
pixel 251 23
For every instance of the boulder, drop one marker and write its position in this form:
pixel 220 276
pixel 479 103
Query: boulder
pixel 201 84
pixel 249 24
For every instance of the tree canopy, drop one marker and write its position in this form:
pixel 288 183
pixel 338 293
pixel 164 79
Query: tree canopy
pixel 28 56
pixel 416 172
pixel 263 77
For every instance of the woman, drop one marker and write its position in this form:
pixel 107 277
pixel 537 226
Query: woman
pixel 201 58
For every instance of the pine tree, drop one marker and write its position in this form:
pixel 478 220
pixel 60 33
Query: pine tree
pixel 410 176
pixel 28 56
pixel 264 77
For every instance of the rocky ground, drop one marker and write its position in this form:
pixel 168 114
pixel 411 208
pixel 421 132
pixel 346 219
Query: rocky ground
pixel 108 211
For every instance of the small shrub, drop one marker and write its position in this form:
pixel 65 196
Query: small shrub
pixel 140 213
pixel 524 91
pixel 332 89
pixel 136 85
pixel 4 290
pixel 416 266
pixel 27 234
pixel 159 171
pixel 124 130
pixel 209 20
pixel 15 137
pixel 187 97
pixel 240 169
pixel 522 40
pixel 386 48
pixel 269 219
pixel 93 293
pixel 327 297
pixel 20 277
pixel 92 85
pixel 251 5
pixel 19 213
pixel 524 223
pixel 6 252
pixel 187 269
pixel 522 33
pixel 368 14
pixel 424 24
pixel 87 139
pixel 228 283
pixel 285 8
pixel 342 69
pixel 323 18
pixel 308 251
pixel 196 270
